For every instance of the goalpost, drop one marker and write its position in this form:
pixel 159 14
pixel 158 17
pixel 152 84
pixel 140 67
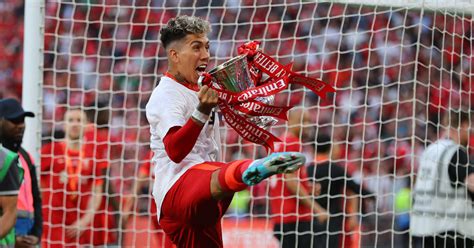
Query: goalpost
pixel 397 67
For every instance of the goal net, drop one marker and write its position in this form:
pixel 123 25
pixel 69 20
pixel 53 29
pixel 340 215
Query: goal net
pixel 397 67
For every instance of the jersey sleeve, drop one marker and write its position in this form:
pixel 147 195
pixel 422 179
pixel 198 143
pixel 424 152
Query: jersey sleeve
pixel 166 109
pixel 179 141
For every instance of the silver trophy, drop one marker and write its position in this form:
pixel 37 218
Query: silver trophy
pixel 234 76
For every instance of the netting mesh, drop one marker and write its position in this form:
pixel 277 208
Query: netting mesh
pixel 397 71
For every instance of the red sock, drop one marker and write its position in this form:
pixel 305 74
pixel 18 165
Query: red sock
pixel 230 175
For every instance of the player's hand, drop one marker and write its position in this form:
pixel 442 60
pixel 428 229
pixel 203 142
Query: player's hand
pixel 322 216
pixel 207 99
pixel 20 242
pixel 75 230
pixel 352 223
pixel 316 189
pixel 26 241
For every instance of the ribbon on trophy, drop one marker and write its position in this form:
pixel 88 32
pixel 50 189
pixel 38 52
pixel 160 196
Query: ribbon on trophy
pixel 245 100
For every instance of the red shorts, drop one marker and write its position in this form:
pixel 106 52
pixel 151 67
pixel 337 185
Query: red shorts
pixel 189 214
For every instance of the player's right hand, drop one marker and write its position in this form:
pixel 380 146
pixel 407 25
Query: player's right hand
pixel 207 99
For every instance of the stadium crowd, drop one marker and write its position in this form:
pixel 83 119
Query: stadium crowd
pixel 396 72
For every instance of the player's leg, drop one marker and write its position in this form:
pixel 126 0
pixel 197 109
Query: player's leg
pixel 190 216
pixel 238 175
pixel 193 207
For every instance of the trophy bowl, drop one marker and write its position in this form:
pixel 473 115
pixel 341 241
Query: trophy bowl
pixel 233 75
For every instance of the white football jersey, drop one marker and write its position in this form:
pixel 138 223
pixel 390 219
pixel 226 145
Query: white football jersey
pixel 171 104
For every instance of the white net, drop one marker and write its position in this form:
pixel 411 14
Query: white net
pixel 396 70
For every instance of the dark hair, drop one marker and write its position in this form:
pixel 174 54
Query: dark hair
pixel 323 143
pixel 177 28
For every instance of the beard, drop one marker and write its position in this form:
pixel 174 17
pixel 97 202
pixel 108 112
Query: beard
pixel 12 145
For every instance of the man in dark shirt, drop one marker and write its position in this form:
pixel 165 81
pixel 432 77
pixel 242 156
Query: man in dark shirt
pixel 29 222
pixel 334 182
pixel 10 179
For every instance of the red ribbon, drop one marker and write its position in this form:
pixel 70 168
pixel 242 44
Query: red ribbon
pixel 279 78
pixel 255 108
pixel 277 70
pixel 246 129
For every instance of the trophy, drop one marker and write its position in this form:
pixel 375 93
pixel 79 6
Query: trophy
pixel 247 84
pixel 234 76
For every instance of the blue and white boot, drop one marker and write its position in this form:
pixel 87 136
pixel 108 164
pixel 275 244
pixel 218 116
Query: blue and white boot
pixel 275 163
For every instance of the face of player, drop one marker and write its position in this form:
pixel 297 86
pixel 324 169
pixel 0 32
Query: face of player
pixel 75 121
pixel 191 57
pixel 13 130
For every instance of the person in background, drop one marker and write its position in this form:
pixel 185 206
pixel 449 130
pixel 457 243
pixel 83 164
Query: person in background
pixel 100 145
pixel 291 203
pixel 29 222
pixel 443 212
pixel 11 176
pixel 335 184
pixel 192 190
pixel 144 183
pixel 72 186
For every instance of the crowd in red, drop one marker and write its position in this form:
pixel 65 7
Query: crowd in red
pixel 396 72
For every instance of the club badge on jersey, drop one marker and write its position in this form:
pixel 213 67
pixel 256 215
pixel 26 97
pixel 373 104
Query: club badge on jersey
pixel 247 84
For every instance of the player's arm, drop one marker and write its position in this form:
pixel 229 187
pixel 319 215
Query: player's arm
pixel 304 197
pixel 138 184
pixel 92 207
pixel 179 141
pixel 352 209
pixel 8 218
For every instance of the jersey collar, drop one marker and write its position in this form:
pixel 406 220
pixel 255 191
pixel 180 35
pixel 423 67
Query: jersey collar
pixel 193 87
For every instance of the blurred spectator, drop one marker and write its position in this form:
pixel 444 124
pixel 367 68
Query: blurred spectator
pixel 11 177
pixel 97 141
pixel 444 189
pixel 143 186
pixel 335 183
pixel 72 184
pixel 29 221
pixel 291 202
pixel 396 72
